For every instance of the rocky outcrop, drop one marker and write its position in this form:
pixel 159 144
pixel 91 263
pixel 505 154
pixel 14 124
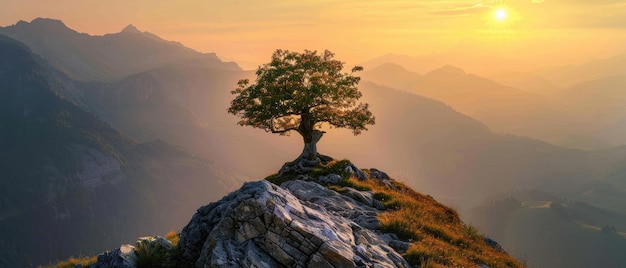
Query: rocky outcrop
pixel 126 256
pixel 123 257
pixel 303 223
pixel 299 224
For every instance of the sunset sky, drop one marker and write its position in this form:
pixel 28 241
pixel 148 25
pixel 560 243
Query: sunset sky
pixel 549 32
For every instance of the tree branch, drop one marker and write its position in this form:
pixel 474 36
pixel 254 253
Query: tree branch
pixel 282 131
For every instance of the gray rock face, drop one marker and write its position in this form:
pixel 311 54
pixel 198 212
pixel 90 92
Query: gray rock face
pixel 97 168
pixel 355 171
pixel 123 257
pixel 126 255
pixel 377 174
pixel 300 224
pixel 330 178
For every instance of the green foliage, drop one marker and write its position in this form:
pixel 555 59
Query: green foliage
pixel 472 232
pixel 332 167
pixel 152 256
pixel 383 197
pixel 402 228
pixel 322 169
pixel 351 184
pixel 300 92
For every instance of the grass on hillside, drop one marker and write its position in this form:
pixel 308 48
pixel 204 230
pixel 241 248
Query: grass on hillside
pixel 438 236
pixel 146 256
pixel 72 262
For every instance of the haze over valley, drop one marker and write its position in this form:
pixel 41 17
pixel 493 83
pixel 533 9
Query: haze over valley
pixel 129 130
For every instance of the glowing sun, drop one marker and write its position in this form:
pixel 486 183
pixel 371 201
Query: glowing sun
pixel 501 14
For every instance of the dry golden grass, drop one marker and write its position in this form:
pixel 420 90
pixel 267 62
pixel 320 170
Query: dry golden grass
pixel 173 237
pixel 72 262
pixel 438 236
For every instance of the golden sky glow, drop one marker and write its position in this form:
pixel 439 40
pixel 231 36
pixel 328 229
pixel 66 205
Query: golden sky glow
pixel 501 14
pixel 545 31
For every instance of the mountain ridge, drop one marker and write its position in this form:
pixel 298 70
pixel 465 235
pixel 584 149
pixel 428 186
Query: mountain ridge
pixel 65 172
pixel 104 58
pixel 337 216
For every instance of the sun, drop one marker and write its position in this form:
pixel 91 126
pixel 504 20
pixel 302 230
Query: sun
pixel 501 14
pixel 501 20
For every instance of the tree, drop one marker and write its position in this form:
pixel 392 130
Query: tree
pixel 302 92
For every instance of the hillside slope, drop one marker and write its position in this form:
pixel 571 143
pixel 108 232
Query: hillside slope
pixel 108 57
pixel 65 174
pixel 502 108
pixel 553 232
pixel 335 216
pixel 185 102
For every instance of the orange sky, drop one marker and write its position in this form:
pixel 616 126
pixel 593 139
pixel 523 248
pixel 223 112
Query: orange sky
pixel 544 32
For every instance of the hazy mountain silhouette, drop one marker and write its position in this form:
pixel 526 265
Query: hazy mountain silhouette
pixel 527 81
pixel 392 75
pixel 185 104
pixel 107 57
pixel 598 108
pixel 481 65
pixel 417 136
pixel 454 156
pixel 65 173
pixel 571 75
pixel 502 108
pixel 578 224
pixel 526 103
pixel 553 232
pixel 425 135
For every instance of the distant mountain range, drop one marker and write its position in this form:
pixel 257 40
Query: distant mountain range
pixel 554 232
pixel 67 176
pixel 89 133
pixel 108 57
pixel 583 116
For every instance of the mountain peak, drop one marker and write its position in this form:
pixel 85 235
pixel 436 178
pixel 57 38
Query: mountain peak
pixel 446 71
pixel 321 222
pixel 46 24
pixel 390 66
pixel 131 29
pixel 48 21
pixel 39 27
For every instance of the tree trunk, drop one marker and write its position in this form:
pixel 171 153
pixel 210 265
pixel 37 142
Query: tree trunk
pixel 309 158
pixel 310 148
pixel 310 136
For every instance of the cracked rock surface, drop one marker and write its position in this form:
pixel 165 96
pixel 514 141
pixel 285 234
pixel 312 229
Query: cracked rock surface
pixel 299 224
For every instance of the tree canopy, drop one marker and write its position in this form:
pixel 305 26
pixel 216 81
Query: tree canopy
pixel 301 92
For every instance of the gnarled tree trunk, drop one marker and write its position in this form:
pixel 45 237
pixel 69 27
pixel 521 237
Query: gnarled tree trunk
pixel 309 158
pixel 310 135
pixel 310 147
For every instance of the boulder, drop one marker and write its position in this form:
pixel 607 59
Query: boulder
pixel 300 224
pixel 330 179
pixel 123 257
pixel 377 174
pixel 126 255
pixel 355 171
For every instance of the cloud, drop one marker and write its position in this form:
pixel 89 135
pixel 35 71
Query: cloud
pixel 463 10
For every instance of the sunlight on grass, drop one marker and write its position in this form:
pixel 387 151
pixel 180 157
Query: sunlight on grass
pixel 438 237
pixel 73 262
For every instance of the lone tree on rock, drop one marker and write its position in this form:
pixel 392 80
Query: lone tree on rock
pixel 302 92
